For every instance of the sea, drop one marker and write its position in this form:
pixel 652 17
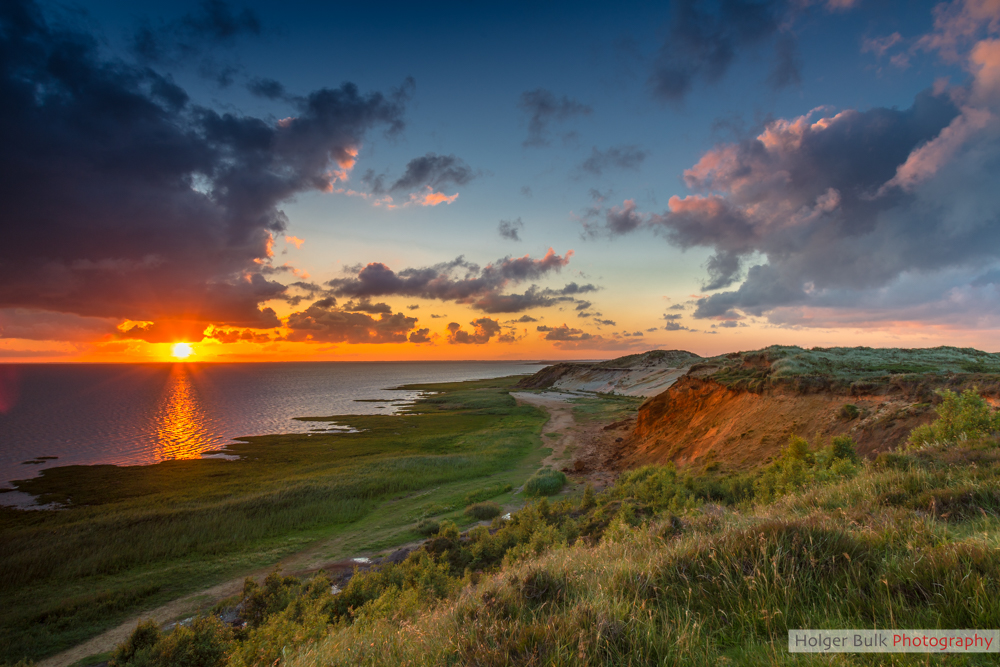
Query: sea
pixel 139 414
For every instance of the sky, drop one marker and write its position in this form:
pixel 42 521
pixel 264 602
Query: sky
pixel 250 181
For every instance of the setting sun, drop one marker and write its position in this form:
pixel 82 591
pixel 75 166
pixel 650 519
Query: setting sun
pixel 181 350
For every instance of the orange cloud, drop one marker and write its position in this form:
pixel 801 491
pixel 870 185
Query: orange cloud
pixel 295 241
pixel 431 198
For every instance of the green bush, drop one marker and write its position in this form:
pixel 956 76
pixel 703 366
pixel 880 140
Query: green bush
pixel 798 466
pixel 849 411
pixel 204 643
pixel 547 482
pixel 842 448
pixel 961 417
pixel 427 526
pixel 484 511
pixel 259 602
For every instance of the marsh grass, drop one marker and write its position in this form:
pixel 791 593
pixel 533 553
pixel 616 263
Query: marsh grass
pixel 131 538
pixel 545 482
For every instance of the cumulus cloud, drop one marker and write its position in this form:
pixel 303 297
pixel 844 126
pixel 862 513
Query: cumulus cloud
pixel 366 306
pixel 567 338
pixel 215 23
pixel 420 336
pixel 617 157
pixel 543 109
pixel 466 283
pixel 422 183
pixel 224 335
pixel 434 171
pixel 41 325
pixel 511 229
pixel 837 217
pixel 125 199
pixel 324 322
pixel 703 39
pixel 269 89
pixel 484 329
pixel 563 333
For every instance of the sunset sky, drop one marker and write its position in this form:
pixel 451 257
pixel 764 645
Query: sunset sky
pixel 297 181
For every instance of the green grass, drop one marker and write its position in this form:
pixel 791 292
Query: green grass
pixel 665 567
pixel 132 538
pixel 672 567
pixel 859 369
pixel 605 407
pixel 545 482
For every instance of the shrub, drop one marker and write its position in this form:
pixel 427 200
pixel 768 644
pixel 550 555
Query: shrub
pixel 259 602
pixel 849 411
pixel 427 527
pixel 204 643
pixel 545 482
pixel 141 642
pixel 842 448
pixel 965 416
pixel 483 511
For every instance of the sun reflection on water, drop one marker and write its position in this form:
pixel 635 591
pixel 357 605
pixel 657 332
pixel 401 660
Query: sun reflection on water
pixel 180 422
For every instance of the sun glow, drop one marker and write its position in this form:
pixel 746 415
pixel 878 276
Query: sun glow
pixel 181 350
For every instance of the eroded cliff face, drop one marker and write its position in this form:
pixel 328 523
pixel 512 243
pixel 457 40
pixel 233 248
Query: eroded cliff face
pixel 645 374
pixel 699 421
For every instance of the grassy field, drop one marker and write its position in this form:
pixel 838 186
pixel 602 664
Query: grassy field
pixel 132 538
pixel 663 567
pixel 848 368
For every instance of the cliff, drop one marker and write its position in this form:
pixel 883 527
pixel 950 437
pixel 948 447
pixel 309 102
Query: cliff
pixel 739 410
pixel 645 374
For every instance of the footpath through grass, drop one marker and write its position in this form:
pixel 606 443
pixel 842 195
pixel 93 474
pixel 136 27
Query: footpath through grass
pixel 132 538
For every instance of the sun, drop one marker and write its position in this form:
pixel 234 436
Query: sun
pixel 181 350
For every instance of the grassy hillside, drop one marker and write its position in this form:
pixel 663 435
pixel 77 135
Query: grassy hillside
pixel 858 368
pixel 129 539
pixel 664 567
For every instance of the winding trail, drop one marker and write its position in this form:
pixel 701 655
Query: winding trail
pixel 561 423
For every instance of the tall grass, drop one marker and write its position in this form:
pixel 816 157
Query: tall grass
pixel 714 587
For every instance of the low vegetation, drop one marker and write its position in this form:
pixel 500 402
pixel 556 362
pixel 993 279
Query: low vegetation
pixel 484 511
pixel 132 538
pixel 545 482
pixel 663 567
pixel 857 369
pixel 961 417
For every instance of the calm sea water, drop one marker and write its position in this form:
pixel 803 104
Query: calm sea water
pixel 135 414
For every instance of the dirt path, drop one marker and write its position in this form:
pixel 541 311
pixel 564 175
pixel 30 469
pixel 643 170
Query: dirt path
pixel 577 449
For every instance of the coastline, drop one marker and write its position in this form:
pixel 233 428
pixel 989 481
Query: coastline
pixel 187 525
